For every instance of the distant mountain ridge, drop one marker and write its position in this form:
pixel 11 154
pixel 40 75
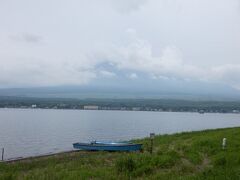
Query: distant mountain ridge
pixel 132 92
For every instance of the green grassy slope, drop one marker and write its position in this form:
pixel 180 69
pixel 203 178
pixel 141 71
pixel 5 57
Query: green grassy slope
pixel 194 155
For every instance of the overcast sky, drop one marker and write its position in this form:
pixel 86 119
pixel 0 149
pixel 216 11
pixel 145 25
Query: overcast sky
pixel 75 42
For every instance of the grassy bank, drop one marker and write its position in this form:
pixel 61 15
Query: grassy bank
pixel 195 155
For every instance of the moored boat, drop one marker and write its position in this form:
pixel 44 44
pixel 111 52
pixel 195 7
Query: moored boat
pixel 108 146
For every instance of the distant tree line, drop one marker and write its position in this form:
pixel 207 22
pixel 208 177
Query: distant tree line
pixel 122 104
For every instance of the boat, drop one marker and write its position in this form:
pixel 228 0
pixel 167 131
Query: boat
pixel 108 146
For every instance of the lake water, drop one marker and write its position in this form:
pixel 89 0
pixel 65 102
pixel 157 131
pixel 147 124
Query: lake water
pixel 30 132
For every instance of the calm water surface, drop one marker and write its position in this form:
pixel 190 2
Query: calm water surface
pixel 28 132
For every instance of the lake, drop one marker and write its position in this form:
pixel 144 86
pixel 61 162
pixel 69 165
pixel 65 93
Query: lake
pixel 31 132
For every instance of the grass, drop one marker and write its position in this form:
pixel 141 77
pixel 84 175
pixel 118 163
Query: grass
pixel 193 155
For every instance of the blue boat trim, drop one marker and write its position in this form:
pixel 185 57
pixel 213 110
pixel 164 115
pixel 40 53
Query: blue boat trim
pixel 110 143
pixel 108 146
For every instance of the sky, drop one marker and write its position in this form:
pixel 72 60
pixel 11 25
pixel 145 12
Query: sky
pixel 81 42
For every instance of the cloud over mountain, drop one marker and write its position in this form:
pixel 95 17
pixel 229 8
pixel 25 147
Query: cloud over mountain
pixel 76 42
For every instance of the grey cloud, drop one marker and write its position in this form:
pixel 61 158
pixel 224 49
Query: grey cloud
pixel 228 73
pixel 138 56
pixel 27 37
pixel 128 6
pixel 30 71
pixel 132 76
pixel 107 74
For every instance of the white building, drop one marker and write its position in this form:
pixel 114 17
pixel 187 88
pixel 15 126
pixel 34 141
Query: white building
pixel 34 106
pixel 90 107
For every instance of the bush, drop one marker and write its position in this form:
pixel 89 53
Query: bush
pixel 164 161
pixel 220 161
pixel 125 164
pixel 193 156
pixel 143 169
pixel 206 146
pixel 147 147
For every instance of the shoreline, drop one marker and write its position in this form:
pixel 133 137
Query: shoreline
pixel 10 160
pixel 19 108
pixel 52 154
pixel 187 155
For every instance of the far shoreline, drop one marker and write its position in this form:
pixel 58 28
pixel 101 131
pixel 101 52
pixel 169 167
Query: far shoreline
pixel 19 108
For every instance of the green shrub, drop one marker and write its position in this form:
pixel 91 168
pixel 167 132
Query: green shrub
pixel 206 146
pixel 193 156
pixel 7 177
pixel 187 169
pixel 220 161
pixel 143 169
pixel 174 155
pixel 165 160
pixel 147 147
pixel 125 164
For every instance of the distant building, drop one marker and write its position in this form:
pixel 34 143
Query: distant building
pixel 105 108
pixel 90 107
pixel 201 111
pixel 136 108
pixel 34 106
